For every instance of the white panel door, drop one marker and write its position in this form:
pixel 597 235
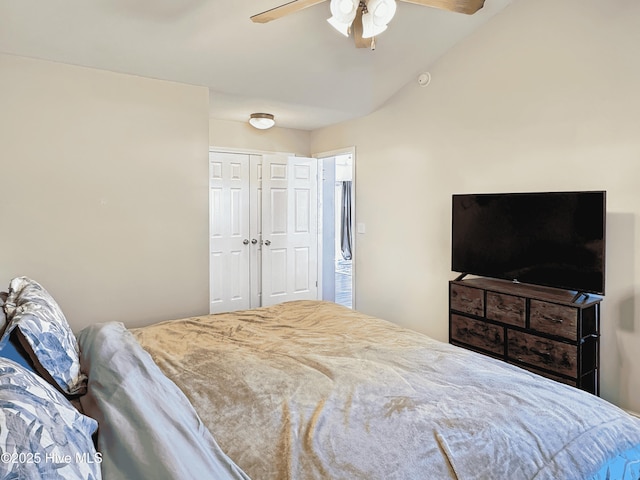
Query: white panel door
pixel 229 234
pixel 289 229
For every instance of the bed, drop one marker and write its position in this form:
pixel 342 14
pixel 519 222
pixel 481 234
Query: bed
pixel 313 390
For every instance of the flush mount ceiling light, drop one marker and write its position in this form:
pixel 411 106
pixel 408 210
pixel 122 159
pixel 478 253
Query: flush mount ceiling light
pixel 262 121
pixel 364 18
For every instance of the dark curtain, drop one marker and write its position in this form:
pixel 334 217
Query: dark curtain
pixel 345 234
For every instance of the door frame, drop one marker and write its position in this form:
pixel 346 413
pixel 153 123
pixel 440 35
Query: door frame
pixel 320 156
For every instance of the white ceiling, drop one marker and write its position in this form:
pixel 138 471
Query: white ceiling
pixel 297 67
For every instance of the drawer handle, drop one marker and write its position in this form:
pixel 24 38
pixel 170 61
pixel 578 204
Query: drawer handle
pixel 476 334
pixel 470 332
pixel 553 319
pixel 544 355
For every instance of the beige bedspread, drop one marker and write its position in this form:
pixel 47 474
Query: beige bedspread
pixel 310 390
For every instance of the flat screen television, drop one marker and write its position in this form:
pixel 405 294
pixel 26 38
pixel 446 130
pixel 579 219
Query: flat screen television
pixel 554 239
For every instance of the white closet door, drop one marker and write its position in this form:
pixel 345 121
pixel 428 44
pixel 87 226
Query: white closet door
pixel 289 229
pixel 229 234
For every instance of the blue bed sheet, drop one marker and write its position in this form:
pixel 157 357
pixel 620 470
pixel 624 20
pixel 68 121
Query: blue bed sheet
pixel 625 466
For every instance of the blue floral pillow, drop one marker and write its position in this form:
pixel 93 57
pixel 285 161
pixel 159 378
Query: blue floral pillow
pixel 45 334
pixel 3 320
pixel 43 435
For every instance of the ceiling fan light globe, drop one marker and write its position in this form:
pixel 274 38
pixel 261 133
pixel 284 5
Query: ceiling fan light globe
pixel 346 7
pixel 341 27
pixel 344 11
pixel 382 10
pixel 369 28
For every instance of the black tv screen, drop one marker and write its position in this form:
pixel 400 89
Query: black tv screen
pixel 555 239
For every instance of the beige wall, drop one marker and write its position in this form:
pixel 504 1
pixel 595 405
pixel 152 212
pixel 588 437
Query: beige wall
pixel 103 190
pixel 242 136
pixel 545 97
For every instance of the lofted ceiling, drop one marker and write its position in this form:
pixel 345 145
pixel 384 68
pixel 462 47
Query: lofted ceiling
pixel 297 67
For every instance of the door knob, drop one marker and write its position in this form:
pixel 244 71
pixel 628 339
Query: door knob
pixel 267 242
pixel 245 241
pixel 254 241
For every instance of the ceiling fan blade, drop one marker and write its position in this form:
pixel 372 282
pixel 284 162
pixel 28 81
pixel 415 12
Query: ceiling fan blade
pixel 460 6
pixel 283 10
pixel 356 28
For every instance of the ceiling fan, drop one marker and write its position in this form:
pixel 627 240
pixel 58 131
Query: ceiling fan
pixel 364 18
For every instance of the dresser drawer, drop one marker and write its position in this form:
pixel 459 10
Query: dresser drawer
pixel 557 378
pixel 467 300
pixel 506 308
pixel 543 353
pixel 554 319
pixel 476 333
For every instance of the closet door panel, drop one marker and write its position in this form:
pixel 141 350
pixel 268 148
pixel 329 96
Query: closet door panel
pixel 290 243
pixel 278 267
pixel 229 232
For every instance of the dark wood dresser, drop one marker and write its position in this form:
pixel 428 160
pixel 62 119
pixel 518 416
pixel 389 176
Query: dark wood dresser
pixel 545 330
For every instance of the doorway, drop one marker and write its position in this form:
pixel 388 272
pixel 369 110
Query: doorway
pixel 238 243
pixel 337 239
pixel 263 230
